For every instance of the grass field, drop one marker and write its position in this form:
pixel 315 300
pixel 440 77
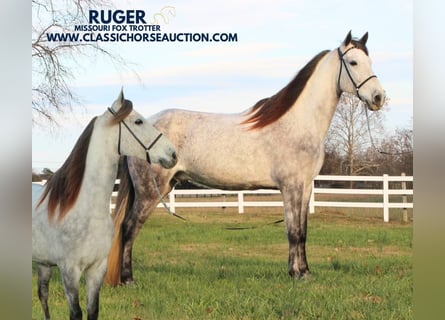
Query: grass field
pixel 361 269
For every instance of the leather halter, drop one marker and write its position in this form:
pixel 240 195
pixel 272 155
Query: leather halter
pixel 147 149
pixel 343 63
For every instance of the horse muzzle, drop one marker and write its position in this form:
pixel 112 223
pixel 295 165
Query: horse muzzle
pixel 169 162
pixel 377 102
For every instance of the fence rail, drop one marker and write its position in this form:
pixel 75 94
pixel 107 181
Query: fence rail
pixel 400 189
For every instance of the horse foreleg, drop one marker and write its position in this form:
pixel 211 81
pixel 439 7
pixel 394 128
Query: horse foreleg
pixel 43 276
pixel 70 280
pixel 94 279
pixel 296 203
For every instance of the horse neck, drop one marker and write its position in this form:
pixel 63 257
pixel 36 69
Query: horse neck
pixel 314 109
pixel 100 171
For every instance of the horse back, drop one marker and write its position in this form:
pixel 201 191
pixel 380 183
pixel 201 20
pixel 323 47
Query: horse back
pixel 217 150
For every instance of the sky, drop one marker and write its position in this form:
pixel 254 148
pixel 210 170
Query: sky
pixel 275 39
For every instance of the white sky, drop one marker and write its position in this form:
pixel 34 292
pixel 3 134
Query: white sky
pixel 275 39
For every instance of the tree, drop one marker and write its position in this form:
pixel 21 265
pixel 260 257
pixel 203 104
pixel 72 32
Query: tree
pixel 395 154
pixel 350 149
pixel 405 146
pixel 349 135
pixel 36 177
pixel 332 162
pixel 46 174
pixel 52 61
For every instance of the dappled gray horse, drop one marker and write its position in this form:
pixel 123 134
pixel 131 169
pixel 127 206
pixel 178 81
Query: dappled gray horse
pixel 276 144
pixel 71 224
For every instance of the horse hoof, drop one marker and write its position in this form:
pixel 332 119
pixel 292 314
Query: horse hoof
pixel 306 275
pixel 300 275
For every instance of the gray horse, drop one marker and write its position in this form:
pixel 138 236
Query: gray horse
pixel 276 144
pixel 71 224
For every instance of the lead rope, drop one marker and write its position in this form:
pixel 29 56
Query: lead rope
pixel 373 144
pixel 153 179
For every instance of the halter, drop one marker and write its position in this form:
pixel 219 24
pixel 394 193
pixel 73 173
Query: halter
pixel 343 63
pixel 147 149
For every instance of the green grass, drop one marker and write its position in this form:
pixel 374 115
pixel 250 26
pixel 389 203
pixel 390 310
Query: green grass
pixel 361 269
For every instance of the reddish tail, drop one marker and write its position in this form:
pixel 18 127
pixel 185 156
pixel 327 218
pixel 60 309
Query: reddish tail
pixel 123 203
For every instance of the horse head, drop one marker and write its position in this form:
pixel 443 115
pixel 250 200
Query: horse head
pixel 356 75
pixel 134 128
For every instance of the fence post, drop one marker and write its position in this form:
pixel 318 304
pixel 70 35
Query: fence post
pixel 240 202
pixel 404 200
pixel 312 199
pixel 171 202
pixel 385 198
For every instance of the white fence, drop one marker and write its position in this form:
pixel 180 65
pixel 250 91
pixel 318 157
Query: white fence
pixel 384 191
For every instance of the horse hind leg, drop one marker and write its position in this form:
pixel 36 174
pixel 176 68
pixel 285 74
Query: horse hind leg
pixel 145 201
pixel 127 266
pixel 44 273
pixel 138 214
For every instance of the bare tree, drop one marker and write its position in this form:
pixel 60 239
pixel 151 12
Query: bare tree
pixel 397 156
pixel 349 135
pixel 52 61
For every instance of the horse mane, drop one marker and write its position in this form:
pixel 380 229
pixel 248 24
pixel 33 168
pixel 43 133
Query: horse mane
pixel 64 186
pixel 269 110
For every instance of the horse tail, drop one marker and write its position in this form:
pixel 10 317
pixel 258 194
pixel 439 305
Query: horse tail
pixel 124 201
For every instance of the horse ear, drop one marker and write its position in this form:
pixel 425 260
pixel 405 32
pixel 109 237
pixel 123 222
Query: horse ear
pixel 121 96
pixel 347 39
pixel 364 39
pixel 119 101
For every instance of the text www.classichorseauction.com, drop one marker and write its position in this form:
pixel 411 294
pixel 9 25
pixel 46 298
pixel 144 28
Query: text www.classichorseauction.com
pixel 132 26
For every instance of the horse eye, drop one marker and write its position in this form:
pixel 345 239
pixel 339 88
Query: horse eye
pixel 138 121
pixel 353 63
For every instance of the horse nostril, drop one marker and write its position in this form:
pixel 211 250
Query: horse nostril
pixel 174 156
pixel 378 99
